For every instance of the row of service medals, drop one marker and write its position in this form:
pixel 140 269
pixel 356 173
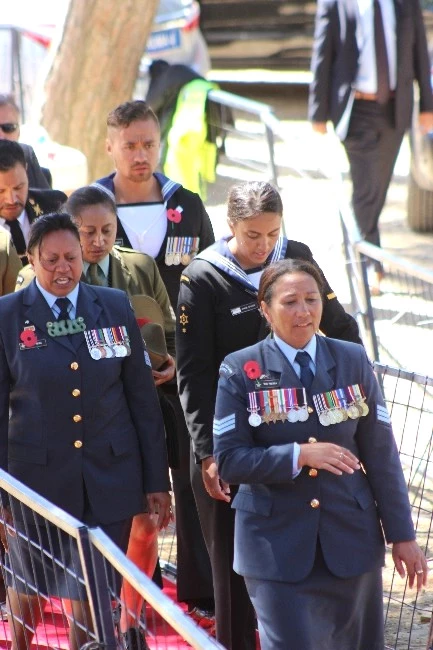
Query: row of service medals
pixel 181 250
pixel 338 405
pixel 108 342
pixel 278 405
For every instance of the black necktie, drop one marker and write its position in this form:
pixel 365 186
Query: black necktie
pixel 303 358
pixel 18 239
pixel 382 66
pixel 63 305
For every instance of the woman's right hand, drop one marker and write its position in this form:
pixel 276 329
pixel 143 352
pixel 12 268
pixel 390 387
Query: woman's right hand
pixel 327 456
pixel 214 486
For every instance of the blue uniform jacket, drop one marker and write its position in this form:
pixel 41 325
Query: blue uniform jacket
pixel 75 421
pixel 277 521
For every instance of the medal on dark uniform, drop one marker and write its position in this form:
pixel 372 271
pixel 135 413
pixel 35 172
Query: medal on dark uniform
pixel 254 418
pixel 108 342
pixel 185 259
pixel 303 414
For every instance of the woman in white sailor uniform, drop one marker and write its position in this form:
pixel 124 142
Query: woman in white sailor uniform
pixel 302 428
pixel 79 415
pixel 218 314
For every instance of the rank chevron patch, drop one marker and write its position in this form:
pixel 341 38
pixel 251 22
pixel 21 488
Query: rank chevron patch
pixel 225 424
pixel 382 414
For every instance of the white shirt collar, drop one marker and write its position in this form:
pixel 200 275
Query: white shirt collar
pixel 51 299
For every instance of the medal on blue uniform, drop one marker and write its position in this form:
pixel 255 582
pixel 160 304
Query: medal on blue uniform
pixel 108 342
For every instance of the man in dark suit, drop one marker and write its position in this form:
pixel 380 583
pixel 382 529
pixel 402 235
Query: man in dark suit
pixel 39 177
pixel 20 206
pixel 367 54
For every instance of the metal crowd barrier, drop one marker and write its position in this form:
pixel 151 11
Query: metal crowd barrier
pixel 409 397
pixel 87 576
pixel 245 130
pixel 402 312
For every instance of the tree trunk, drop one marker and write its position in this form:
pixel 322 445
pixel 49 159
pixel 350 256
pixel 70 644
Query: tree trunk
pixel 94 69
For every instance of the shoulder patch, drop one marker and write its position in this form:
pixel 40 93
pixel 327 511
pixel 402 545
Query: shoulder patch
pixel 226 370
pixel 224 425
pixel 382 414
pixel 185 278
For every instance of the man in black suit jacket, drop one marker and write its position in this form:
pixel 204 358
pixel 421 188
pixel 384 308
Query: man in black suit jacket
pixel 19 206
pixel 10 130
pixel 369 117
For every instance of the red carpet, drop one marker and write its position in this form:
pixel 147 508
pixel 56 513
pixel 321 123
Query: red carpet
pixel 53 632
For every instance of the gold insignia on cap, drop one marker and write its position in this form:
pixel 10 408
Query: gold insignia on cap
pixel 331 296
pixel 38 210
pixel 183 318
pixel 184 278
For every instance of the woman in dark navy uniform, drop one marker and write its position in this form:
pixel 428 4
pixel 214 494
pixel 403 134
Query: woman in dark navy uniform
pixel 218 314
pixel 296 415
pixel 80 421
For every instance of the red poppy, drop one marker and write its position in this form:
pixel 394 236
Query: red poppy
pixel 174 215
pixel 252 369
pixel 29 338
pixel 142 321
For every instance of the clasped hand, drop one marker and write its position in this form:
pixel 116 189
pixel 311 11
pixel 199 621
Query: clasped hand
pixel 329 457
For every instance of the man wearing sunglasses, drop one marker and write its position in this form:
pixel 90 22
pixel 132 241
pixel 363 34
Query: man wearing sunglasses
pixel 10 130
pixel 19 205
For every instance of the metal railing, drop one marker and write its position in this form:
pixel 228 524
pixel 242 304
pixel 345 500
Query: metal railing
pixel 402 311
pixel 73 575
pixel 409 397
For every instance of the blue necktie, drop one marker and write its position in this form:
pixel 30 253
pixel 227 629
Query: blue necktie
pixel 303 358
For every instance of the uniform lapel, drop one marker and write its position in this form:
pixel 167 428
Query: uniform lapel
pixel 38 313
pixel 324 378
pixel 88 308
pixel 276 362
pixel 119 273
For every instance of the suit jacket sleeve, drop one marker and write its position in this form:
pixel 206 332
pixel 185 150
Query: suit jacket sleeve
pixel 195 346
pixel 239 458
pixel 336 322
pixel 145 411
pixel 322 59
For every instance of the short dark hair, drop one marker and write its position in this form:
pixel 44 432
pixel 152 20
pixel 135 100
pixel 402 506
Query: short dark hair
pixel 11 154
pixel 88 196
pixel 124 114
pixel 273 272
pixel 247 200
pixel 48 223
pixel 9 100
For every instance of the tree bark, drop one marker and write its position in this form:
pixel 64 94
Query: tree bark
pixel 94 68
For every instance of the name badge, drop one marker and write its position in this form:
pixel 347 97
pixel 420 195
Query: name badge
pixel 242 309
pixel 267 382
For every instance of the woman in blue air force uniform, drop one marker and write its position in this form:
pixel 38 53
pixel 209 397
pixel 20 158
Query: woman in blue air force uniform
pixel 317 484
pixel 79 418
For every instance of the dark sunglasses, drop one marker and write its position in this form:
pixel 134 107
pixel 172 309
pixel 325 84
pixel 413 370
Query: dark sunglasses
pixel 9 127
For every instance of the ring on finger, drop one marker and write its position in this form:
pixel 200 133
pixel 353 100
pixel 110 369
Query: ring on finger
pixel 419 572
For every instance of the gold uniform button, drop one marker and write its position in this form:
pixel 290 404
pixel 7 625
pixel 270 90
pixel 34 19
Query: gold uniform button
pixel 76 392
pixel 311 440
pixel 313 472
pixel 77 418
pixel 314 503
pixel 78 444
pixel 74 365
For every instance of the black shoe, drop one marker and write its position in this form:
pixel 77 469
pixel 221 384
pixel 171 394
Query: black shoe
pixel 133 639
